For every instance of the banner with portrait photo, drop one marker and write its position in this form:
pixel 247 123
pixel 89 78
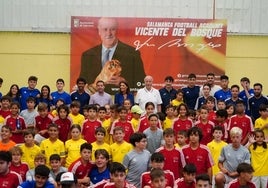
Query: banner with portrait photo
pixel 148 46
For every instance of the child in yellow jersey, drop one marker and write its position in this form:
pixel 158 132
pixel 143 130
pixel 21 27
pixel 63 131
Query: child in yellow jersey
pixel 259 157
pixel 72 146
pixel 107 124
pixel 99 143
pixel 179 98
pixel 2 120
pixel 29 148
pixel 262 122
pixel 136 115
pixel 181 139
pixel 76 117
pixel 168 122
pixel 120 147
pixel 53 145
pixel 215 147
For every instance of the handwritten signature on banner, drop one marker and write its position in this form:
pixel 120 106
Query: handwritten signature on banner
pixel 198 47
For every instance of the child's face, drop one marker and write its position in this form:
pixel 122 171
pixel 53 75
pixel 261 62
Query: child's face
pixel 14 110
pixel 236 139
pixel 159 182
pixel 149 109
pixel 60 85
pixel 158 165
pixel 118 178
pixel 43 113
pixel 230 110
pixel 217 135
pixel 63 114
pixel 59 102
pixel 202 184
pixel 55 164
pixel 264 114
pixel 85 113
pixel 30 104
pixel 246 176
pixel 101 161
pixel 108 109
pixel 5 103
pixel 182 111
pixel 179 96
pixel 153 121
pixel 210 105
pixel 206 90
pixel 53 132
pixel 259 138
pixel 194 138
pixel 136 115
pixel 203 114
pixel 234 92
pixel 181 139
pixel 29 139
pixel 5 134
pixel 86 154
pixel 123 115
pixel 169 139
pixel 44 91
pixel 99 136
pixel 39 162
pixel 119 136
pixel 75 110
pixel 101 114
pixel 32 84
pixel 16 157
pixel 142 144
pixel 75 133
pixel 170 112
pixel 92 114
pixel 221 105
pixel 220 119
pixel 188 178
pixel 127 104
pixel 240 108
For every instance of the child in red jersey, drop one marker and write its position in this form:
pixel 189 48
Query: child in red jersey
pixel 245 172
pixel 174 160
pixel 127 104
pixel 41 122
pixel 5 106
pixel 210 103
pixel 124 123
pixel 16 164
pixel 63 121
pixel 158 179
pixel 182 122
pixel 16 123
pixel 205 125
pixel 221 120
pixel 82 166
pixel 91 124
pixel 188 179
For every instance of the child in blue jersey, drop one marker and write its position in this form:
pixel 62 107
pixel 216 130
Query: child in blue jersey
pixel 60 93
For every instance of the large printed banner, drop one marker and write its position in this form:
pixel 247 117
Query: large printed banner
pixel 145 46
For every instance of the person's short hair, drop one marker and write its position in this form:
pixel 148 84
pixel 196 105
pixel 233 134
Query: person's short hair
pixel 218 128
pixel 30 99
pixel 53 125
pixel 263 107
pixel 244 167
pixel 15 103
pixel 189 168
pixel 153 115
pixel 156 173
pixel 210 74
pixel 28 131
pixel 85 107
pixel 136 137
pixel 235 86
pixel 224 77
pixel 117 167
pixel 68 178
pixel 236 130
pixel 210 99
pixel 102 108
pixel 245 79
pixel 54 157
pixel 222 113
pixel 196 131
pixel 6 98
pixel 258 84
pixel 100 129
pixel 40 156
pixel 77 126
pixel 92 107
pixel 168 132
pixel 41 170
pixel 121 108
pixel 16 150
pixel 42 106
pixel 148 104
pixel 220 100
pixel 60 80
pixel 192 112
pixel 74 104
pixel 100 81
pixel 203 177
pixel 103 152
pixel 204 107
pixel 87 146
pixel 32 78
pixel 60 99
pixel 5 156
pixel 80 79
pixel 157 157
pixel 206 84
pixel 180 91
pixel 169 78
pixel 183 132
pixel 7 127
pixel 64 107
pixel 239 101
pixel 118 128
pixel 192 75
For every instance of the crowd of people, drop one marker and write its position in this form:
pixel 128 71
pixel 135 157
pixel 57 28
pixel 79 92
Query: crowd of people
pixel 208 136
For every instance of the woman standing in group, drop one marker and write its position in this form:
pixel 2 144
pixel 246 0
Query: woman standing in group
pixel 14 93
pixel 124 93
